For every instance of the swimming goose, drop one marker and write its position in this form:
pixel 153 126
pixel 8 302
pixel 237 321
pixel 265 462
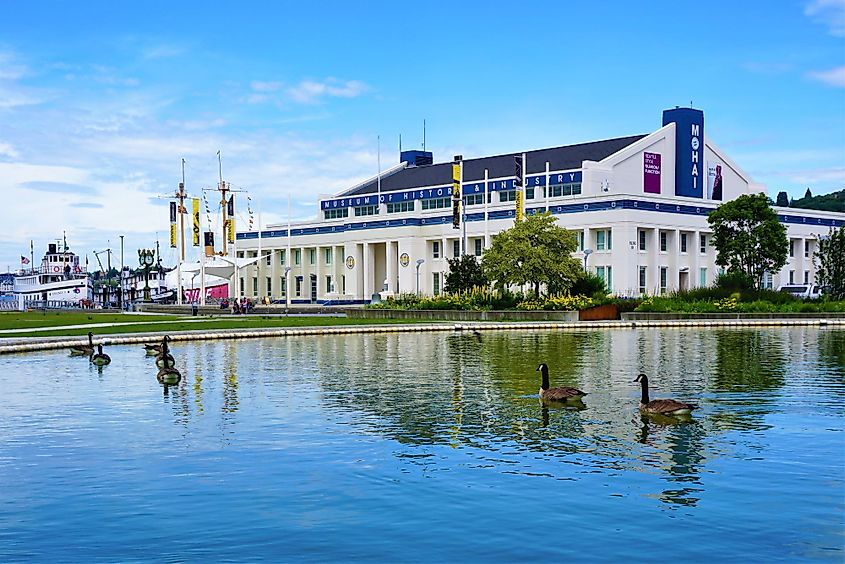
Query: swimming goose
pixel 168 376
pixel 101 358
pixel 562 393
pixel 155 349
pixel 83 350
pixel 164 359
pixel 661 406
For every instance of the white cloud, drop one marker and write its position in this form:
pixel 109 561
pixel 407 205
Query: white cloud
pixel 161 52
pixel 264 86
pixel 7 150
pixel 830 13
pixel 10 69
pixel 310 91
pixel 833 77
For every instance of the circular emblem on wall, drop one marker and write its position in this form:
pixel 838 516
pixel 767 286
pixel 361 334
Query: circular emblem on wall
pixel 350 262
pixel 404 259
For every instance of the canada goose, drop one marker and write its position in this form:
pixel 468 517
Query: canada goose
pixel 164 359
pixel 168 376
pixel 562 393
pixel 101 358
pixel 83 350
pixel 155 349
pixel 661 406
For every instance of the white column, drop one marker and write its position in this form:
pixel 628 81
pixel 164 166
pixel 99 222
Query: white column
pixel 366 265
pixel 390 265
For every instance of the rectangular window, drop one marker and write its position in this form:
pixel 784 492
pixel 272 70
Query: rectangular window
pixel 663 244
pixel 329 287
pixel 600 272
pixel 664 275
pixel 282 257
pixel 683 242
pixel 791 248
pixel 529 193
pixel 806 252
pixel 478 244
pixel 269 286
pixel 507 196
pixel 792 277
pixel 343 284
pixel 456 248
pixel 642 279
pixel 254 286
pixel 436 203
pixel 609 279
pixel 297 257
pixel 328 252
pixel 555 190
pixel 436 280
pixel 268 258
pixel 580 241
pixel 768 280
pixel 240 254
pixel 703 244
pixel 283 284
pixel 806 277
pixel 474 199
pixel 702 277
pixel 366 210
pixel 435 249
pixel 336 214
pixel 241 286
pixel 400 207
pixel 642 239
pixel 298 290
pixel 609 239
pixel 312 256
pixel 600 238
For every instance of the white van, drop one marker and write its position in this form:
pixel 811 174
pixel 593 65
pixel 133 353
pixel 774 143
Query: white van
pixel 805 291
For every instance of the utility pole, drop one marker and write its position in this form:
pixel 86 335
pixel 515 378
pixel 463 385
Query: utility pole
pixel 120 294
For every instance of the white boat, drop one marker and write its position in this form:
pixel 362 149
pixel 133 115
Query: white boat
pixel 60 281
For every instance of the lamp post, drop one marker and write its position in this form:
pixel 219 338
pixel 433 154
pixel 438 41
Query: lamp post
pixel 146 258
pixel 586 254
pixel 419 264
pixel 287 289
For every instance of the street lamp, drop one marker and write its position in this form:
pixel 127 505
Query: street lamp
pixel 287 289
pixel 419 264
pixel 586 254
pixel 146 257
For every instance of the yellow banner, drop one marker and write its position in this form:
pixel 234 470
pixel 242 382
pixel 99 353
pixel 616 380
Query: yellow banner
pixel 231 229
pixel 173 235
pixel 195 203
pixel 456 173
pixel 519 206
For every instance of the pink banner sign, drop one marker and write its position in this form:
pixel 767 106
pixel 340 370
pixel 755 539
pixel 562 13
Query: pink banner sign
pixel 212 292
pixel 651 173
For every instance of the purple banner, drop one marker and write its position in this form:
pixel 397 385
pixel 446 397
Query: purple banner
pixel 651 173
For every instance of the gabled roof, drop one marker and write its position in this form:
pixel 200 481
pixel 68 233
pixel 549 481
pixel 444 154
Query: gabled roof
pixel 569 157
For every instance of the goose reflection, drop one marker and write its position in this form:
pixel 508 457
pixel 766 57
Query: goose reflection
pixel 679 443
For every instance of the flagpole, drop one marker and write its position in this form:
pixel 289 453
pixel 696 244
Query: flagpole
pixel 487 196
pixel 378 182
pixel 31 256
pixel 289 261
pixel 548 189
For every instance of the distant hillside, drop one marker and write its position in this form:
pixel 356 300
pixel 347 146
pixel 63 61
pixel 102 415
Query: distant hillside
pixel 834 202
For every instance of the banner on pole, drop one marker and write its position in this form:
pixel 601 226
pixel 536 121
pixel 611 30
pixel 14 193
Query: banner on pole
pixel 456 195
pixel 172 235
pixel 195 203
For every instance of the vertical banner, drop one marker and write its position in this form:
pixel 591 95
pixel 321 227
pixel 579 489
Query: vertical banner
pixel 230 207
pixel 195 203
pixel 714 181
pixel 209 243
pixel 519 186
pixel 173 225
pixel 231 229
pixel 651 173
pixel 456 195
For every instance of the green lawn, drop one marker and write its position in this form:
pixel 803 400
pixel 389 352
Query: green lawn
pixel 139 324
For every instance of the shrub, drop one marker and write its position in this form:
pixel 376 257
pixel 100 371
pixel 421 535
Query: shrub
pixel 734 281
pixel 588 284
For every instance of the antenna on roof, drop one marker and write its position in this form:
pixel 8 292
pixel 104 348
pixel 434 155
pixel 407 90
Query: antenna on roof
pixel 423 134
pixel 400 143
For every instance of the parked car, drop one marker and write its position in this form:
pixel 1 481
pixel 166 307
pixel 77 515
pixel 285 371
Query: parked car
pixel 805 291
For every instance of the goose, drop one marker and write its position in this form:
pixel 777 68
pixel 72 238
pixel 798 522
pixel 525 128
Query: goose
pixel 168 376
pixel 101 358
pixel 164 359
pixel 155 349
pixel 562 393
pixel 661 406
pixel 83 350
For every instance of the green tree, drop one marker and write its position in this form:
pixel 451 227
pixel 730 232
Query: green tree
pixel 465 273
pixel 748 236
pixel 534 251
pixel 831 257
pixel 808 194
pixel 783 200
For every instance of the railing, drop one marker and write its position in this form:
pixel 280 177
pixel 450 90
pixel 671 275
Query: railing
pixel 51 304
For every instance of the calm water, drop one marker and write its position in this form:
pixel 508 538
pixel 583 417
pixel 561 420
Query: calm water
pixel 420 447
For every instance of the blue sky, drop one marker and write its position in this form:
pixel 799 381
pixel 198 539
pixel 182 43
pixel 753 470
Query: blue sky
pixel 100 101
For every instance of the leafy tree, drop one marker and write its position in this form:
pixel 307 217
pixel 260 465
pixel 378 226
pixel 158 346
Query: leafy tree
pixel 808 194
pixel 748 236
pixel 835 202
pixel 588 284
pixel 783 200
pixel 534 251
pixel 831 257
pixel 465 273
